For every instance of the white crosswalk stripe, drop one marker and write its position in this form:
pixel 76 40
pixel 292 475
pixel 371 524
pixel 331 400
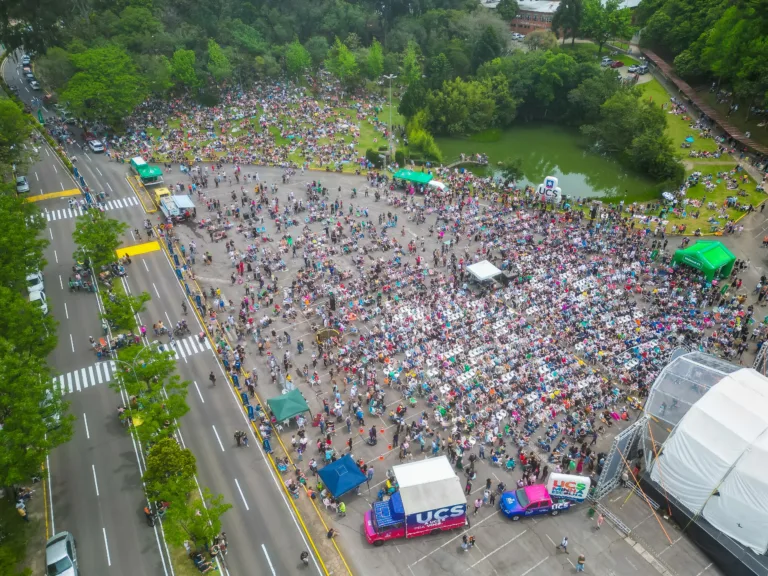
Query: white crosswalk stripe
pixel 103 372
pixel 67 213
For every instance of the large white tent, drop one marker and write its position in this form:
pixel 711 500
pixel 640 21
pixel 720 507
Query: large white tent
pixel 715 462
pixel 483 270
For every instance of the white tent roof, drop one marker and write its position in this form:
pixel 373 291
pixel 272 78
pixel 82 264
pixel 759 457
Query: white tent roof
pixel 714 462
pixel 483 270
pixel 428 484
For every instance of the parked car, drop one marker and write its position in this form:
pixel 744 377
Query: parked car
pixel 606 61
pixel 35 282
pixel 617 64
pixel 28 76
pixel 25 60
pixel 61 555
pixel 22 185
pixel 39 300
pixel 35 85
pixel 96 145
pixel 642 69
pixel 632 69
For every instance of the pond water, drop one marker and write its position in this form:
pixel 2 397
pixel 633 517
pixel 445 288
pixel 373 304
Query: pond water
pixel 548 150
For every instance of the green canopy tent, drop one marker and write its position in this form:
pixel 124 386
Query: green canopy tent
pixel 415 177
pixel 712 258
pixel 288 405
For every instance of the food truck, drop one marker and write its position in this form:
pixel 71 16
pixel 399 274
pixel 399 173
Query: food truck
pixel 428 499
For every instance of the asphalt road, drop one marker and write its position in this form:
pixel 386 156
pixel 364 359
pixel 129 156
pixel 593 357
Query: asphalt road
pixel 95 478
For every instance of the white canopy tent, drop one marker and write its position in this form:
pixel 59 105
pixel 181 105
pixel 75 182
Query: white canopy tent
pixel 483 270
pixel 715 460
pixel 429 484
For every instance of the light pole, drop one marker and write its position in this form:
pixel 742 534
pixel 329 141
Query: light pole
pixel 390 77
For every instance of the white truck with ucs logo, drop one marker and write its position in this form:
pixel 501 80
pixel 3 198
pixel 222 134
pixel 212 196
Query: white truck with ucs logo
pixel 428 499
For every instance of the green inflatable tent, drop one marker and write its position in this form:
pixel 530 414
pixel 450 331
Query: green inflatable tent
pixel 712 258
pixel 411 176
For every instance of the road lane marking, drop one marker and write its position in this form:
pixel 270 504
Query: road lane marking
pixel 99 171
pixel 56 255
pixel 50 492
pixel 497 549
pixel 186 346
pixel 69 382
pixel 85 377
pixel 85 421
pixel 37 177
pixel 106 546
pixel 198 392
pixel 95 482
pixel 534 567
pixel 145 265
pixel 217 434
pixel 156 291
pixel 77 381
pixel 54 167
pixel 110 187
pixel 98 372
pixel 90 373
pixel 244 502
pixel 72 342
pixel 269 561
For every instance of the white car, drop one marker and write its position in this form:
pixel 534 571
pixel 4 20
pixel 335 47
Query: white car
pixel 518 36
pixel 39 300
pixel 96 145
pixel 35 85
pixel 61 555
pixel 21 184
pixel 35 283
pixel 25 60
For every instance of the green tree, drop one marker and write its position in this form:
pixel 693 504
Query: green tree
pixel 21 243
pixel 97 237
pixel 507 9
pixel 541 40
pixel 375 60
pixel 606 20
pixel 297 59
pixel 55 68
pixel 157 72
pixel 170 471
pixel 568 18
pixel 15 130
pixel 22 324
pixel 218 66
pixel 487 47
pixel 461 107
pixel 266 66
pixel 318 47
pixel 120 309
pixel 411 68
pixel 148 374
pixel 197 521
pixel 32 415
pixel 512 169
pixel 413 100
pixel 439 71
pixel 587 98
pixel 106 86
pixel 183 68
pixel 341 63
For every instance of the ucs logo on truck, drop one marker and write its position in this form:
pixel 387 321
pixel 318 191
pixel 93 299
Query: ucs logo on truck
pixel 437 517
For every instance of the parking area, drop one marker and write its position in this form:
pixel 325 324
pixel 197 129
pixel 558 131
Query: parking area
pixel 502 546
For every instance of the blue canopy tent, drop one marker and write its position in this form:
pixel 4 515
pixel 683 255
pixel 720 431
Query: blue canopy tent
pixel 341 476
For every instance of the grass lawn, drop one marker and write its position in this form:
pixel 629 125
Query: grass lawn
pixel 17 534
pixel 621 44
pixel 627 60
pixel 739 118
pixel 677 128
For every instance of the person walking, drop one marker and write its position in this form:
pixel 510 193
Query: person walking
pixel 580 563
pixel 564 545
pixel 468 488
pixel 395 438
pixel 478 505
pixel 600 520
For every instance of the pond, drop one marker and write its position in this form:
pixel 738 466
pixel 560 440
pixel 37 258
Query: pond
pixel 548 150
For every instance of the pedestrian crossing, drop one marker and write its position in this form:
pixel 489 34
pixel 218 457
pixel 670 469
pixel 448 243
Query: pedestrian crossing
pixel 75 211
pixel 105 371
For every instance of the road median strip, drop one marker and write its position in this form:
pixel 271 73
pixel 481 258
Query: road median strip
pixel 50 195
pixel 186 271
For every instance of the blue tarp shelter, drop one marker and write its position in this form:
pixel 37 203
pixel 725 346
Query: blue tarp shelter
pixel 341 476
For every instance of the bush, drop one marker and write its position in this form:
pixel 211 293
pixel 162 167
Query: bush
pixel 383 148
pixel 400 157
pixel 373 157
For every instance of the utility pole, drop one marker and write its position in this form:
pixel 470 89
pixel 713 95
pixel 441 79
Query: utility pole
pixel 390 77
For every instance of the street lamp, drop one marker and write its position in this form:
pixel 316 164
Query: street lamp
pixel 390 77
